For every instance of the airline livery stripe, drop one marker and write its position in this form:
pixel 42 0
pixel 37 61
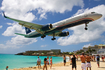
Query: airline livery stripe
pixel 76 21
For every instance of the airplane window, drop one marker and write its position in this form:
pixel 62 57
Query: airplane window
pixel 92 12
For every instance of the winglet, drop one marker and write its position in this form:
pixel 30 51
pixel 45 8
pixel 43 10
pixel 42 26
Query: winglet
pixel 4 14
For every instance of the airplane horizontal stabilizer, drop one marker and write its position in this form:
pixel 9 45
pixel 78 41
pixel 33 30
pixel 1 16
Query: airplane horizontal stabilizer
pixel 21 34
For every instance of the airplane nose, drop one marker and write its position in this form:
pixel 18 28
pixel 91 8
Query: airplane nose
pixel 97 16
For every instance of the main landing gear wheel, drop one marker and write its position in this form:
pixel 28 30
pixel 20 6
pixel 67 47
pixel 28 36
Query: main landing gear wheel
pixel 53 37
pixel 86 26
pixel 43 36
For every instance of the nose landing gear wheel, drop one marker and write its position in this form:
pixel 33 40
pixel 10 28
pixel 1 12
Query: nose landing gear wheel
pixel 86 28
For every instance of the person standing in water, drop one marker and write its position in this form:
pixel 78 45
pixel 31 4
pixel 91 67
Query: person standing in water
pixel 45 64
pixel 6 67
pixel 39 62
pixel 48 60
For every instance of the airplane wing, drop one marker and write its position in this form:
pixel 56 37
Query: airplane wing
pixel 27 24
pixel 56 34
pixel 60 34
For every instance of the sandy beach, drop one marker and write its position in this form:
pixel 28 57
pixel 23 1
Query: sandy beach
pixel 60 66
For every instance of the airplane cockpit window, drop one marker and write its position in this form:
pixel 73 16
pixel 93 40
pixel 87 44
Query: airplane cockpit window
pixel 92 12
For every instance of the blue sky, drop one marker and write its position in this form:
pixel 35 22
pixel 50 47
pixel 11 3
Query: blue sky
pixel 49 11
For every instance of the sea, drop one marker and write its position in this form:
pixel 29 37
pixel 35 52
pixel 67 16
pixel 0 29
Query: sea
pixel 21 61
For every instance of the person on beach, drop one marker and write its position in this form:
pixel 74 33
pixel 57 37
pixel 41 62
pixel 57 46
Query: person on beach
pixel 83 64
pixel 45 64
pixel 64 59
pixel 70 57
pixel 73 62
pixel 102 57
pixel 98 60
pixel 50 62
pixel 70 60
pixel 76 57
pixel 88 59
pixel 6 67
pixel 94 58
pixel 39 62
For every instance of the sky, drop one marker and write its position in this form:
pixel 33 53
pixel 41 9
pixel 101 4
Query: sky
pixel 49 11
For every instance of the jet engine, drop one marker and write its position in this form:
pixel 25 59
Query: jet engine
pixel 46 27
pixel 66 33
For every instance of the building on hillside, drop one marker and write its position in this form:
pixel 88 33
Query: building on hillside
pixel 98 48
pixel 56 51
pixel 50 53
pixel 101 46
pixel 101 51
pixel 95 48
pixel 78 51
pixel 43 52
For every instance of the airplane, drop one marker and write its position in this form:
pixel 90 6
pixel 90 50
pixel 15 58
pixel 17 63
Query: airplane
pixel 55 29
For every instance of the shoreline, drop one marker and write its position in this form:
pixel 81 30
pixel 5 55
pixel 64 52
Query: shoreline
pixel 34 67
pixel 20 61
pixel 60 66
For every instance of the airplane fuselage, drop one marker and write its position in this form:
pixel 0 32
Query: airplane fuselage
pixel 84 18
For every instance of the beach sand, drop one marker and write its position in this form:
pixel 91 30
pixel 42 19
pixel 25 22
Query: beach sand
pixel 60 66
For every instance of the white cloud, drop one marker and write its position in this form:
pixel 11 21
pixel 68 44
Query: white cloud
pixel 43 45
pixel 87 45
pixel 43 16
pixel 20 40
pixel 1 26
pixel 2 46
pixel 95 29
pixel 18 9
pixel 22 8
pixel 14 28
pixel 5 46
pixel 17 40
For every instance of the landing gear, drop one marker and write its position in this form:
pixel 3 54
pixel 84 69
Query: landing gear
pixel 53 37
pixel 86 26
pixel 43 36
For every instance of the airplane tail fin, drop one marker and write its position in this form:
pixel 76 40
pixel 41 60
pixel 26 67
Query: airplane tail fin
pixel 27 30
